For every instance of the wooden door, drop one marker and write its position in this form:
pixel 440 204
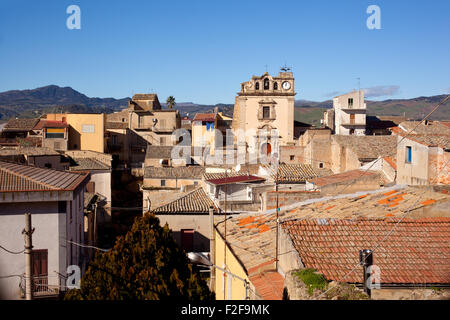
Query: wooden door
pixel 39 265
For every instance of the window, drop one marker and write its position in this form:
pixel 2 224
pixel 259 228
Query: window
pixel 408 158
pixel 350 102
pixel 291 157
pixel 266 112
pixel 163 183
pixel 162 123
pixel 62 207
pixel 257 86
pixel 39 265
pixel 266 84
pixel 48 165
pixel 88 128
pixel 114 139
pixel 275 86
pixel 162 141
pixel 187 239
pixel 321 165
pixel 195 183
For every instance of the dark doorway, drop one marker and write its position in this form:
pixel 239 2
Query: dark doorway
pixel 187 239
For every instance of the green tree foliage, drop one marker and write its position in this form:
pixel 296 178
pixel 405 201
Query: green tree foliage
pixel 170 102
pixel 146 263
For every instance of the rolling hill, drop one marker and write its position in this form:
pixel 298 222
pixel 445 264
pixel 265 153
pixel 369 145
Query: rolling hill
pixel 52 98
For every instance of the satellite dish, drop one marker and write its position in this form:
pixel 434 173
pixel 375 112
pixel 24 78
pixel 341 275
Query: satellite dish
pixel 238 168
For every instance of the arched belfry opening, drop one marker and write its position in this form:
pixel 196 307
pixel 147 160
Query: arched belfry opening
pixel 266 84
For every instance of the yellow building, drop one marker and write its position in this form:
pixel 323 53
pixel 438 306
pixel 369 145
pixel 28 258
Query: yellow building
pixel 86 131
pixel 203 131
pixel 226 286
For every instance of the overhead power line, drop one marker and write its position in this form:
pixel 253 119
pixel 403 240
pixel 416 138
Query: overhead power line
pixel 12 252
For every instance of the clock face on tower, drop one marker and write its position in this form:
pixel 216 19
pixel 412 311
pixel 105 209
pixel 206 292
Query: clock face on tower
pixel 286 85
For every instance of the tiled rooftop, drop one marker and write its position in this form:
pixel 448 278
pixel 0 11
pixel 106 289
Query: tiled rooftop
pixel 435 140
pixel 430 127
pixel 49 124
pixel 369 147
pixel 294 173
pixel 20 124
pixel 347 176
pixel 17 177
pixel 81 164
pixel 416 251
pixel 29 151
pixel 195 202
pixel 159 152
pixel 205 117
pixel 192 172
pixel 235 179
pixel 116 125
pixel 252 236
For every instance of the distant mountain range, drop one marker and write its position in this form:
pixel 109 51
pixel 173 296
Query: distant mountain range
pixel 52 98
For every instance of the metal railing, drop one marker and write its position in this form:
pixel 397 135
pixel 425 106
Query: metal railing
pixel 44 286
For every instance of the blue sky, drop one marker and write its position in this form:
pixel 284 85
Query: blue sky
pixel 201 51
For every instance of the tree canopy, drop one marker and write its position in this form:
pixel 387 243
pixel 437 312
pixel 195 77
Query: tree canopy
pixel 170 102
pixel 147 264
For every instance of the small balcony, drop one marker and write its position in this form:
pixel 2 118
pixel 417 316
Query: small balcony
pixel 45 287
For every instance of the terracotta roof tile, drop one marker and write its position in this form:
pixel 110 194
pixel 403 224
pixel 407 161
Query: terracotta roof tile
pixel 20 124
pixel 253 247
pixel 417 251
pixel 342 177
pixel 191 172
pixel 195 202
pixel 205 117
pixel 235 179
pixel 17 177
pixel 82 164
pixel 369 147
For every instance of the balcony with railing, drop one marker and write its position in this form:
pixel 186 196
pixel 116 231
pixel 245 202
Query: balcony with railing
pixel 50 286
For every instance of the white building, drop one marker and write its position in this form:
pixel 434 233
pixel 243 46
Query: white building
pixel 55 200
pixel 348 116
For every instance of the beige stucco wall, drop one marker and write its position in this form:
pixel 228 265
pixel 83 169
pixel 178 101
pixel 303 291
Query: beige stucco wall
pixel 80 140
pixel 416 172
pixel 198 223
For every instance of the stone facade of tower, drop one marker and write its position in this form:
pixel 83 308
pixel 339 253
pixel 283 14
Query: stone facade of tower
pixel 264 104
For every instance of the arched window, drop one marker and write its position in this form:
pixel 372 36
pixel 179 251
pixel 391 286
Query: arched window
pixel 257 86
pixel 275 86
pixel 266 84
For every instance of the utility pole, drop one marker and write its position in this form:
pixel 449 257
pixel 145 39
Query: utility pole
pixel 28 231
pixel 278 210
pixel 225 235
pixel 212 249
